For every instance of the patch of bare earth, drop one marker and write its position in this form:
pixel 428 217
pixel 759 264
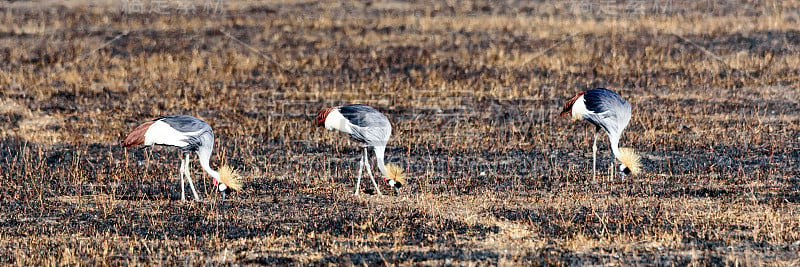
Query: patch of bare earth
pixel 473 90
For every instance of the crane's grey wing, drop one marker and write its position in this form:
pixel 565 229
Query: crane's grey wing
pixel 372 136
pixel 196 132
pixel 609 110
pixel 185 123
pixel 602 100
pixel 363 116
pixel 369 125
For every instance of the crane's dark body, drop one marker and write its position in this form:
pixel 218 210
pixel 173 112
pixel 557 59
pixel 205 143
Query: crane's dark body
pixel 200 130
pixel 367 119
pixel 606 106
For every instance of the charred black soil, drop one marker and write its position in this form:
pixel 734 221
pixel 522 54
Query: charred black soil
pixel 473 90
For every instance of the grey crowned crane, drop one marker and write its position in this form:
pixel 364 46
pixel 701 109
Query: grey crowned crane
pixel 607 111
pixel 372 129
pixel 189 134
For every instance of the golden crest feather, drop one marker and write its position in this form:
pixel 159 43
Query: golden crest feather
pixel 631 160
pixel 230 177
pixel 395 173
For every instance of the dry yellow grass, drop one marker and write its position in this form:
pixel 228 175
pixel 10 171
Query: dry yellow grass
pixel 473 90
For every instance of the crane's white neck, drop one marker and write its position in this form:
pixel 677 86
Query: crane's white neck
pixel 615 148
pixel 613 138
pixel 379 157
pixel 204 154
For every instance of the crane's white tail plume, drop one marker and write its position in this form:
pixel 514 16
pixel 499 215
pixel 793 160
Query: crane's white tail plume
pixel 396 174
pixel 630 159
pixel 230 178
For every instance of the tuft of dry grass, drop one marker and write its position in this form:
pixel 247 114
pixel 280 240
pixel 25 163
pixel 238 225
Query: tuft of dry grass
pixel 473 90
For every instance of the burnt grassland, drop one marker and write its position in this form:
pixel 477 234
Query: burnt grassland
pixel 473 90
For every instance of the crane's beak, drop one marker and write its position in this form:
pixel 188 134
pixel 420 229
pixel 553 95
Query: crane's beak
pixel 393 184
pixel 223 189
pixel 624 171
